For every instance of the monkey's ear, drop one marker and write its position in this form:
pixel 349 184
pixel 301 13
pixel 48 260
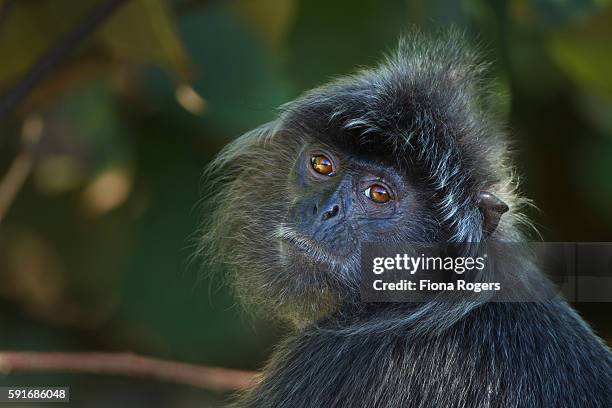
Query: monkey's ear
pixel 491 208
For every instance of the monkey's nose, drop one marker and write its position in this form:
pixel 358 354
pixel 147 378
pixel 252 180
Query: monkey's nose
pixel 330 213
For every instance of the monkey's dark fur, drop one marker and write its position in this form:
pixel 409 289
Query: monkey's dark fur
pixel 424 113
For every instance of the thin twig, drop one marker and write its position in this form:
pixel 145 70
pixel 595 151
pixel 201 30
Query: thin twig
pixel 22 165
pixel 13 181
pixel 128 364
pixel 54 56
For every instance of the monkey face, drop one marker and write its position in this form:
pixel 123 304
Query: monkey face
pixel 339 201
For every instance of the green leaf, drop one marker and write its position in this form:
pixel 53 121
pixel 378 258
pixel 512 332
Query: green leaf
pixel 271 19
pixel 583 52
pixel 144 30
pixel 556 12
pixel 29 28
pixel 141 31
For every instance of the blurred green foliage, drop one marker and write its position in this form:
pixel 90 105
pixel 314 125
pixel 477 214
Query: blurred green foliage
pixel 95 250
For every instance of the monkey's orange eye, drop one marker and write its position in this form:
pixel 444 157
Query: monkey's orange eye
pixel 322 165
pixel 378 194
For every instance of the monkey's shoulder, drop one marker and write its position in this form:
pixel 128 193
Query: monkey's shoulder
pixel 544 351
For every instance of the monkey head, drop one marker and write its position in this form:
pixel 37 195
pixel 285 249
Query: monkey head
pixel 405 152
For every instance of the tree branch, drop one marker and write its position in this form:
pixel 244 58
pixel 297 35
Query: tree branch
pixel 128 364
pixel 54 56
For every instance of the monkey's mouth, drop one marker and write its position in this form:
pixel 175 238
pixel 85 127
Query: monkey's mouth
pixel 292 241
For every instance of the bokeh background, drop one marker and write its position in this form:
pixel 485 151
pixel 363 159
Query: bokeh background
pixel 95 248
